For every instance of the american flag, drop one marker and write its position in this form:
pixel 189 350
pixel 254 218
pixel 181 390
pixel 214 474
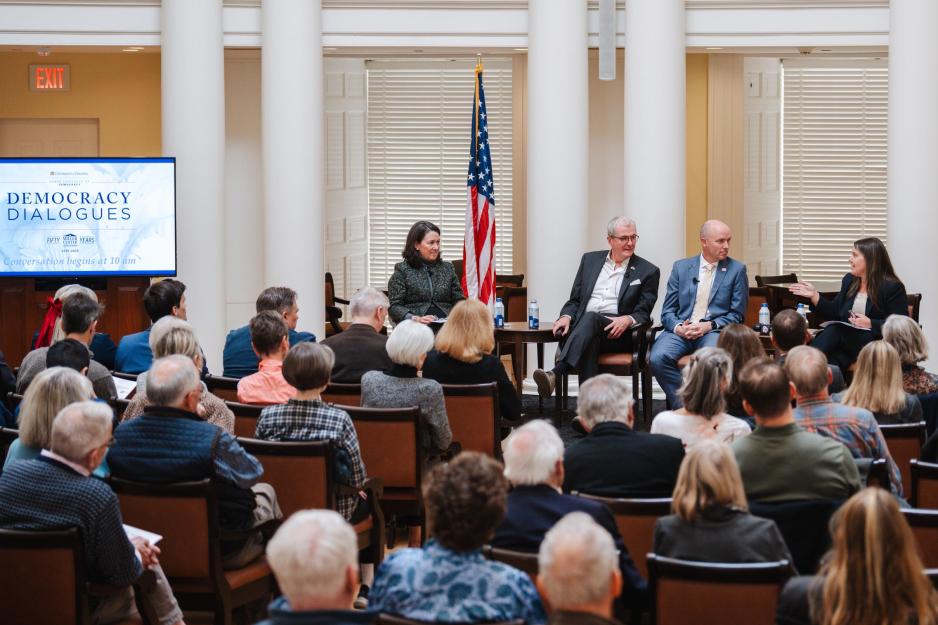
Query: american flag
pixel 479 244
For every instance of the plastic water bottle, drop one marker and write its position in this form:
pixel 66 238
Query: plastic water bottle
pixel 764 317
pixel 802 311
pixel 534 315
pixel 499 313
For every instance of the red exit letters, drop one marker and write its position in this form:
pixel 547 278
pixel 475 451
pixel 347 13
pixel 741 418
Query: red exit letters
pixel 49 77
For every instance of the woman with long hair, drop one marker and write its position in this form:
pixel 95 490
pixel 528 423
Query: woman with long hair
pixel 869 293
pixel 743 345
pixel 877 386
pixel 872 576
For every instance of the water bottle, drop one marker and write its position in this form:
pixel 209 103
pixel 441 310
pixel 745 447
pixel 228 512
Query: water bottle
pixel 764 317
pixel 499 313
pixel 802 311
pixel 534 315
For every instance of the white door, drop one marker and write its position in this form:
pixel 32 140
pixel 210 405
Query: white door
pixel 48 137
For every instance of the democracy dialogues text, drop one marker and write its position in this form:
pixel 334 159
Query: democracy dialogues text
pixel 68 206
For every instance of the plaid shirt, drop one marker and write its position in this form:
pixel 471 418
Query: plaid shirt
pixel 305 420
pixel 855 427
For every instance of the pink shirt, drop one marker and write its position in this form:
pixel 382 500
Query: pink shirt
pixel 267 386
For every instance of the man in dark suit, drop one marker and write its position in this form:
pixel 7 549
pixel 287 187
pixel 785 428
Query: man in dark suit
pixel 705 293
pixel 612 291
pixel 534 466
pixel 613 460
pixel 361 347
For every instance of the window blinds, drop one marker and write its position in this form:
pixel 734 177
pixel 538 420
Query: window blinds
pixel 834 162
pixel 419 116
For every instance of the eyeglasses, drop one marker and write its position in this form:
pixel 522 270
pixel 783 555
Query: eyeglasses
pixel 626 239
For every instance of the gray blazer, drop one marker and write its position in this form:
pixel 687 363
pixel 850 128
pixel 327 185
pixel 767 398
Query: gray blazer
pixel 412 290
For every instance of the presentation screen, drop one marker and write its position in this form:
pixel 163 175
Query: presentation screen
pixel 88 216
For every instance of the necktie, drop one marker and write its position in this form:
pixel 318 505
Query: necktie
pixel 703 293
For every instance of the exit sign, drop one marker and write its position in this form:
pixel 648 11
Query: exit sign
pixel 49 78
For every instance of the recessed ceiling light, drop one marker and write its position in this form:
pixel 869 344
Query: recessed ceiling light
pixel 520 49
pixel 43 51
pixel 132 49
pixel 714 48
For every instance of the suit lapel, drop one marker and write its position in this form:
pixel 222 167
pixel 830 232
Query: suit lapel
pixel 693 271
pixel 629 275
pixel 592 275
pixel 717 279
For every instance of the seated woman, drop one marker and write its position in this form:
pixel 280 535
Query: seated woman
pixel 400 387
pixel 169 336
pixel 872 574
pixel 102 347
pixel 906 336
pixel 710 521
pixel 869 293
pixel 49 392
pixel 448 580
pixel 877 386
pixel 742 344
pixel 463 355
pixel 423 287
pixel 706 378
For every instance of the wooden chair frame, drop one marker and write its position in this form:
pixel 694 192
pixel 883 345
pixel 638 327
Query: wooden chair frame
pixel 923 520
pixel 921 472
pixel 337 391
pixel 7 436
pixel 521 560
pixel 222 387
pixel 243 413
pixel 489 389
pixel 905 432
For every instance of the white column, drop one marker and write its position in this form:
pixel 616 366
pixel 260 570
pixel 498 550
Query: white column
pixel 193 129
pixel 557 151
pixel 292 126
pixel 655 129
pixel 913 153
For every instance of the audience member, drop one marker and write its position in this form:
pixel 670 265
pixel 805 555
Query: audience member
pixel 877 386
pixel 360 348
pixel 56 490
pixel 448 580
pixel 742 345
pixel 102 347
pixel 161 299
pixel 7 385
pixel 313 556
pixel 79 319
pixel 169 336
pixel 707 376
pixel 710 520
pixel 577 575
pixel 238 357
pixel 69 353
pixel 463 355
pixel 534 467
pixel 400 387
pixel 873 574
pixel 269 336
pixel 613 459
pixel 169 442
pixel 906 336
pixel 780 460
pixel 789 330
pixel 816 412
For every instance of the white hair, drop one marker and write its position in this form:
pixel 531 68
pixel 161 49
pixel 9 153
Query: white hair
pixel 532 452
pixel 58 333
pixel 408 342
pixel 169 379
pixel 81 427
pixel 311 553
pixel 618 222
pixel 366 301
pixel 576 562
pixel 163 326
pixel 604 398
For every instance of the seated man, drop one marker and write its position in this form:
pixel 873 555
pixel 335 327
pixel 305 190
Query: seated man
pixel 789 330
pixel 781 461
pixel 817 412
pixel 166 297
pixel 614 460
pixel 69 353
pixel 611 292
pixel 170 443
pixel 704 294
pixel 56 490
pixel 269 338
pixel 79 320
pixel 534 466
pixel 314 558
pixel 360 348
pixel 577 573
pixel 239 357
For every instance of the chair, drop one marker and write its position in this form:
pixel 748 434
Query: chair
pixel 804 526
pixel 186 515
pixel 506 279
pixel 905 442
pixel 333 312
pixel 685 592
pixel 787 278
pixel 391 619
pixel 636 519
pixel 933 576
pixel 222 387
pixel 914 301
pixel 302 474
pixel 246 416
pixel 343 394
pixel 473 413
pixel 130 377
pixel 929 403
pixel 7 436
pixel 118 405
pixel 14 400
pixel 924 493
pixel 515 299
pixel 924 524
pixel 877 473
pixel 522 561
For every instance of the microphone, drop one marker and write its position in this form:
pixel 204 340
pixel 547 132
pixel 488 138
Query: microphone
pixel 696 281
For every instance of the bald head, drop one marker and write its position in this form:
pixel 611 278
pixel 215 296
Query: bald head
pixel 532 454
pixel 715 239
pixel 81 428
pixel 807 368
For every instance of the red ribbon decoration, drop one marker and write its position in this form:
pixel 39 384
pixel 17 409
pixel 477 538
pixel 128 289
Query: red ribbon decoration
pixel 53 312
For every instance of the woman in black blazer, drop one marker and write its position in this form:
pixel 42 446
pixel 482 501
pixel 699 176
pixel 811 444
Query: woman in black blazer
pixel 869 293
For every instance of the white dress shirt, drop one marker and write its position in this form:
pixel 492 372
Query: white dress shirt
pixel 704 283
pixel 605 296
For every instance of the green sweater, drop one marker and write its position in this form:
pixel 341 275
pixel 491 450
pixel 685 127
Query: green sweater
pixel 788 463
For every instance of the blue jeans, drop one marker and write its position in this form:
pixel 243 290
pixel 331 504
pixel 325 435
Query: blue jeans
pixel 665 352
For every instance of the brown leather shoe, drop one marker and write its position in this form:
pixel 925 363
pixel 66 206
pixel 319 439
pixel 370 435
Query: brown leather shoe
pixel 546 381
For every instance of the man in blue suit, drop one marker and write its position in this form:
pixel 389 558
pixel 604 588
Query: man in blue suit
pixel 705 293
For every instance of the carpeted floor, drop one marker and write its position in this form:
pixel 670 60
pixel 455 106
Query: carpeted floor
pixel 562 419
